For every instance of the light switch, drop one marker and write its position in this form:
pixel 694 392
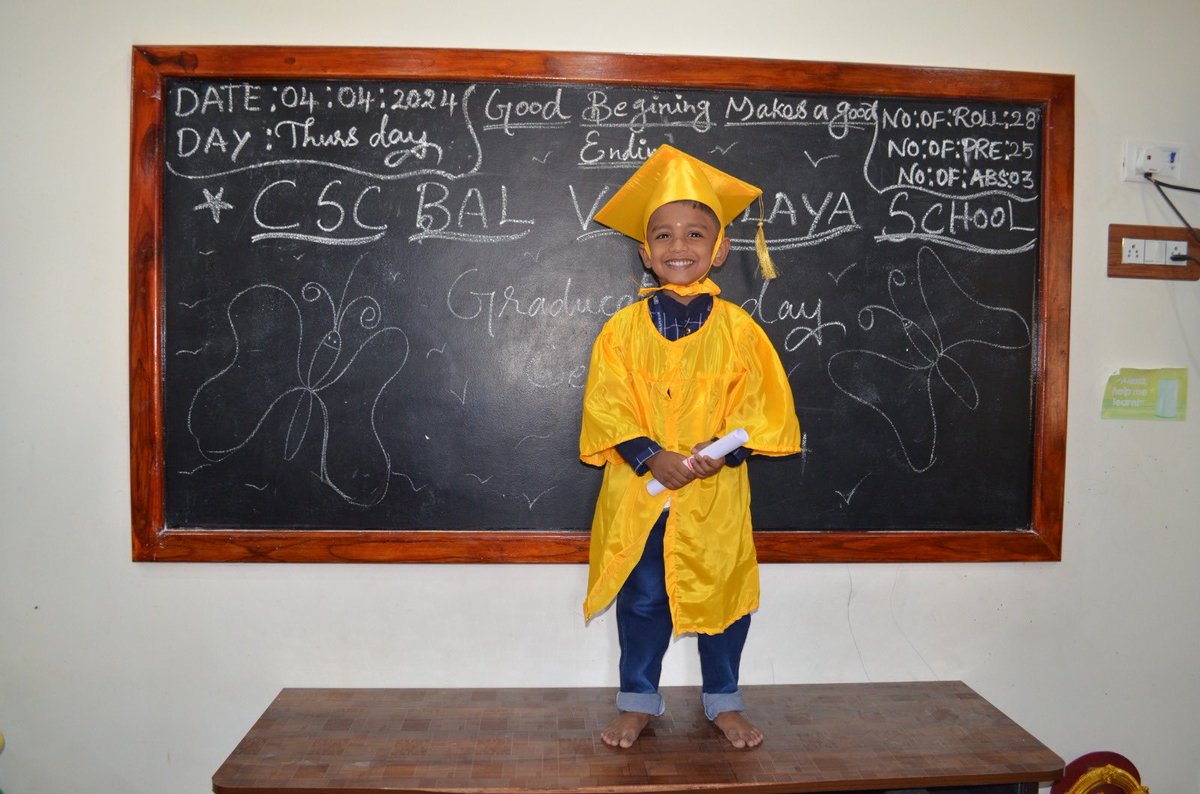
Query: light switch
pixel 1155 252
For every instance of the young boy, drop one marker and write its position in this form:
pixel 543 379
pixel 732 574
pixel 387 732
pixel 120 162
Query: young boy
pixel 668 375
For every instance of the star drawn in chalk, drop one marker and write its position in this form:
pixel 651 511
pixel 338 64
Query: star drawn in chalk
pixel 215 203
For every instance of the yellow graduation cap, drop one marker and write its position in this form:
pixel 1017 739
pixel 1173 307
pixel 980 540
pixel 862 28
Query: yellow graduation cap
pixel 672 175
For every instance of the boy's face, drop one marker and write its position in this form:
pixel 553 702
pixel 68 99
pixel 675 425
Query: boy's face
pixel 679 244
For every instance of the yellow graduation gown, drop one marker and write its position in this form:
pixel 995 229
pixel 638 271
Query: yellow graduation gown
pixel 724 376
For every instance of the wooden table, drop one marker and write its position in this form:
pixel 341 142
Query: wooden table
pixel 939 736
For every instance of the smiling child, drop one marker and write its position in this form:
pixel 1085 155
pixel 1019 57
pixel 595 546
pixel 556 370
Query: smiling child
pixel 668 375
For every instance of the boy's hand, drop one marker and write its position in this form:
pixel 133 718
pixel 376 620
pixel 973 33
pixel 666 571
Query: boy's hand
pixel 670 470
pixel 702 465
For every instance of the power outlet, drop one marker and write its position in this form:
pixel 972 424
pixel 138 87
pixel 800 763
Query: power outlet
pixel 1146 157
pixel 1147 251
pixel 1133 251
pixel 1177 248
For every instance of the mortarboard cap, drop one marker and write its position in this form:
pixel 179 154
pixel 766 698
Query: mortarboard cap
pixel 672 175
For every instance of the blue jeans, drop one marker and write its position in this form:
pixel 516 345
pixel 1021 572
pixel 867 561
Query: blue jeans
pixel 644 632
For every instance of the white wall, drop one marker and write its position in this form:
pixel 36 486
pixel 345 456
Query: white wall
pixel 116 676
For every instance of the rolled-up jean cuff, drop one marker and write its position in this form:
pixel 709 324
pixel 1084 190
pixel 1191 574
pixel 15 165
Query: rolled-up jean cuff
pixel 715 704
pixel 650 703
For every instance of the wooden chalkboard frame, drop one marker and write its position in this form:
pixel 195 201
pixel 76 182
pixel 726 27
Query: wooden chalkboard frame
pixel 153 65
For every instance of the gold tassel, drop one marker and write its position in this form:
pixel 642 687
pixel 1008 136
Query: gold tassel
pixel 765 266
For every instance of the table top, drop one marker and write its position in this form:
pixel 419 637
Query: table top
pixel 820 738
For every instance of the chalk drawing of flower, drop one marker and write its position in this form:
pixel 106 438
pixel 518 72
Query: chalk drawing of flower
pixel 326 386
pixel 901 385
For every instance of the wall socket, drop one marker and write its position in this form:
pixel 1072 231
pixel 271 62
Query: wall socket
pixel 1148 251
pixel 1136 251
pixel 1147 157
pixel 1133 250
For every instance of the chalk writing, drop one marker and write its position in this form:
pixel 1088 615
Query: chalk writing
pixel 525 114
pixel 806 324
pixel 330 218
pixel 397 150
pixel 509 302
pixel 645 112
pixel 436 219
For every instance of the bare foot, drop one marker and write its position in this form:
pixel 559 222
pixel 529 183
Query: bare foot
pixel 740 732
pixel 625 729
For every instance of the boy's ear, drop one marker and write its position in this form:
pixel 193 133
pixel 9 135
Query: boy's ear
pixel 644 253
pixel 721 253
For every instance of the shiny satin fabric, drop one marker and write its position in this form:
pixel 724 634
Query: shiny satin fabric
pixel 673 175
pixel 724 376
pixel 705 286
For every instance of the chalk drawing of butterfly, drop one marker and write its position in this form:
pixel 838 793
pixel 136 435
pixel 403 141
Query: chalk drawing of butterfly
pixel 326 385
pixel 919 363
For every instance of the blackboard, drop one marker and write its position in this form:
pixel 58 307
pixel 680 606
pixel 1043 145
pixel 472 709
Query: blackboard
pixel 365 284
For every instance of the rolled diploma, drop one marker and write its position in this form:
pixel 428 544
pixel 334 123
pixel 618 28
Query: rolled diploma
pixel 717 449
